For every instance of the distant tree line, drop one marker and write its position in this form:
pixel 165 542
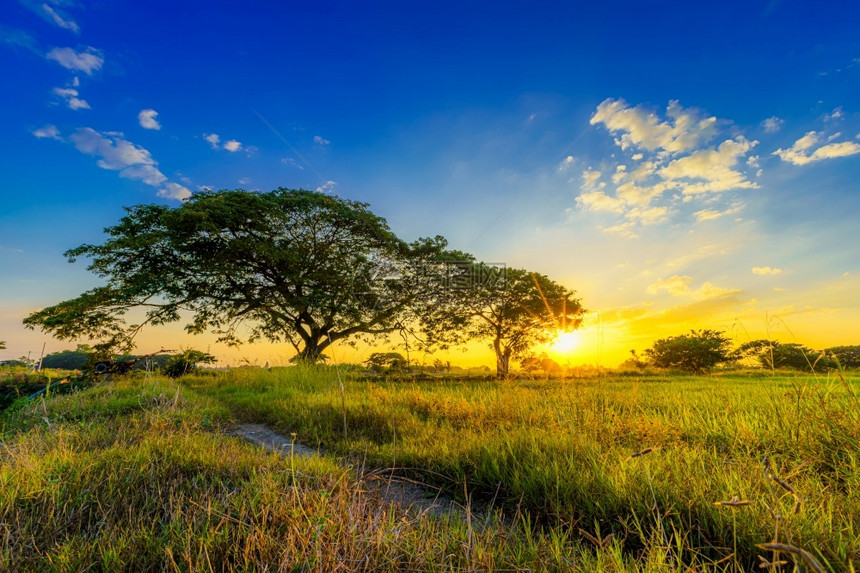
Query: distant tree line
pixel 701 350
pixel 305 268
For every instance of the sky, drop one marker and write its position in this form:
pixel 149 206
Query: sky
pixel 681 165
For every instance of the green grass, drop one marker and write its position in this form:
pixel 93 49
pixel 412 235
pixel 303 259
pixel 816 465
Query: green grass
pixel 560 451
pixel 137 474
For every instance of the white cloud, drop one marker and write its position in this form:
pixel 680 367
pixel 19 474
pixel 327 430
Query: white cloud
pixel 671 163
pixel 650 216
pixel 639 196
pixel 764 271
pixel 319 140
pixel 590 178
pixel 60 19
pixel 88 61
pixel 600 201
pixel 772 124
pixel 712 168
pixel 799 153
pixel 327 187
pixel 132 161
pixel 147 119
pixel 70 96
pixel 232 145
pixel 117 154
pixel 638 128
pixel 566 163
pixel 213 139
pixel 49 132
pixel 174 191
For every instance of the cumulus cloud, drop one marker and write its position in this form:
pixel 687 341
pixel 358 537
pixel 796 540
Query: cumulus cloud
pixel 669 162
pixel 213 139
pixel 566 163
pixel 682 286
pixel 600 201
pixel 88 61
pixel 115 153
pixel 772 124
pixel 320 140
pixel 232 145
pixel 711 170
pixel 70 96
pixel 147 119
pixel 802 153
pixel 622 229
pixel 60 19
pixel 48 132
pixel 764 271
pixel 638 128
pixel 174 191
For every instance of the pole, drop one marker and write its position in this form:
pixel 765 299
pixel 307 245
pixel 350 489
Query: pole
pixel 41 356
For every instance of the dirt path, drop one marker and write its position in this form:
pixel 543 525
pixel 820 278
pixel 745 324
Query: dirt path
pixel 413 497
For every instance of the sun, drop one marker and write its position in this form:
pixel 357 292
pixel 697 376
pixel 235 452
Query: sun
pixel 565 342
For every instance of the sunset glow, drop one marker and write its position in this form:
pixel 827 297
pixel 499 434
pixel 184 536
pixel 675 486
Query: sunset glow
pixel 673 180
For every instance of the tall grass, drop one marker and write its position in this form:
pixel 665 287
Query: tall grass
pixel 560 452
pixel 138 475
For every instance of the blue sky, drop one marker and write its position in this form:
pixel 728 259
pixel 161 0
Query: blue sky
pixel 679 164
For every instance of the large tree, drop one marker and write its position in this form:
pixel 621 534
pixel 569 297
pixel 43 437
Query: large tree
pixel 513 309
pixel 289 265
pixel 696 352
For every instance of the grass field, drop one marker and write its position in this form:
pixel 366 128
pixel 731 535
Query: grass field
pixel 137 474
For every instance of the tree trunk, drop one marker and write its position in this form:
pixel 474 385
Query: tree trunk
pixel 503 360
pixel 311 354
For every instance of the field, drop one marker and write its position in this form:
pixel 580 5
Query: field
pixel 615 473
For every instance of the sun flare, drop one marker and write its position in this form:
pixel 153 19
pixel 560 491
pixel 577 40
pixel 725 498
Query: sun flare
pixel 566 342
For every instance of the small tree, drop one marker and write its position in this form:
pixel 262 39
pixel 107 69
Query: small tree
pixel 2 345
pixel 186 363
pixel 385 361
pixel 696 352
pixel 773 355
pixel 514 309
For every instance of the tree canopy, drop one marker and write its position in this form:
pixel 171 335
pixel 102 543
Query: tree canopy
pixel 696 352
pixel 289 265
